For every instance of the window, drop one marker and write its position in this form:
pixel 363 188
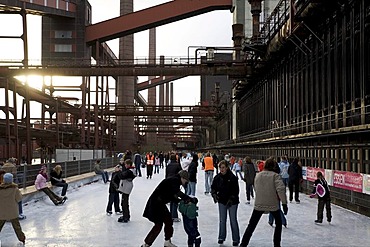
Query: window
pixel 63 48
pixel 63 34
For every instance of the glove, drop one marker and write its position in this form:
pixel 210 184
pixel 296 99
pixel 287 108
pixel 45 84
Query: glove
pixel 285 209
pixel 194 200
pixel 215 198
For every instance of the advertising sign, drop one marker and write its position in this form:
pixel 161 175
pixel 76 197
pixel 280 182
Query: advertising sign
pixel 348 180
pixel 311 173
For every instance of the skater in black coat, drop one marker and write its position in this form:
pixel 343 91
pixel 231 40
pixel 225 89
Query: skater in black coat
pixel 156 210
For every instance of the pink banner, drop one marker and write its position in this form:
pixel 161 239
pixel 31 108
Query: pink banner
pixel 348 180
pixel 311 173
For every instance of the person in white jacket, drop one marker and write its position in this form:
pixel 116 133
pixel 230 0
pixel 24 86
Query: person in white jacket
pixel 41 185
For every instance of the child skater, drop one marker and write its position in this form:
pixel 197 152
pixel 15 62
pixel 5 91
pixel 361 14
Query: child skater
pixel 321 189
pixel 125 185
pixel 188 209
pixel 113 193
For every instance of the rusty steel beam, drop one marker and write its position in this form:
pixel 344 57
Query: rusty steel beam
pixel 174 111
pixel 156 82
pixel 233 69
pixel 171 131
pixel 172 122
pixel 38 96
pixel 151 17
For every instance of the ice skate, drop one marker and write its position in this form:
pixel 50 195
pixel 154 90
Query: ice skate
pixel 22 217
pixel 167 243
pixel 64 199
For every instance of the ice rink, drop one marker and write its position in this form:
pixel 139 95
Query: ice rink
pixel 82 221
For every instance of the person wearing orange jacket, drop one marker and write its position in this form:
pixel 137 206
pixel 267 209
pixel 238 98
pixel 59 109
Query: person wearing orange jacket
pixel 149 165
pixel 208 168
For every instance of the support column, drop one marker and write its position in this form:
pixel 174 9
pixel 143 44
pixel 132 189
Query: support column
pixel 126 87
pixel 152 92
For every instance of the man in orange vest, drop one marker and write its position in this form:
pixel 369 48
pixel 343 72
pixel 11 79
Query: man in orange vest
pixel 149 165
pixel 208 169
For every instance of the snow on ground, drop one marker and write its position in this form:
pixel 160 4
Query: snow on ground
pixel 82 221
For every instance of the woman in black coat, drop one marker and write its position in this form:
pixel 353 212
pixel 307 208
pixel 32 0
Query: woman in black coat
pixel 193 169
pixel 225 192
pixel 57 180
pixel 156 210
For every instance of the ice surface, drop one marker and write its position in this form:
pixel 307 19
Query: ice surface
pixel 82 221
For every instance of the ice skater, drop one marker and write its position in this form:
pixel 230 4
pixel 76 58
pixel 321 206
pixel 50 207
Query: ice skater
pixel 321 189
pixel 156 210
pixel 10 195
pixel 269 189
pixel 125 179
pixel 225 192
pixel 113 197
pixel 99 170
pixel 189 212
pixel 57 180
pixel 41 185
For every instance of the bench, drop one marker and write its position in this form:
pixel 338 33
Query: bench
pixel 31 194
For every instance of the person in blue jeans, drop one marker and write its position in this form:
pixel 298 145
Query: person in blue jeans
pixel 225 192
pixel 99 170
pixel 277 169
pixel 193 170
pixel 56 179
pixel 270 190
pixel 282 216
pixel 284 166
pixel 189 209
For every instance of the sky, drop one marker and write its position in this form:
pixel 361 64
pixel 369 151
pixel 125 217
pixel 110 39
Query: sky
pixel 173 40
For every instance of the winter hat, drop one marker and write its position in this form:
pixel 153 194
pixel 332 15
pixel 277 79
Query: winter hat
pixel 8 178
pixel 184 174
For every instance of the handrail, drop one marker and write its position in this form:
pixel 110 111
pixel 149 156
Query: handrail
pixel 322 121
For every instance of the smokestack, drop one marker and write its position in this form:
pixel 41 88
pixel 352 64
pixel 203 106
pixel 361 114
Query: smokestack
pixel 256 9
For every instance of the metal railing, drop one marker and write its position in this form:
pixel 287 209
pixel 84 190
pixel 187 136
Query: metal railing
pixel 328 120
pixel 26 174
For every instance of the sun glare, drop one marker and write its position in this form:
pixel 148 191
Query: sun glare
pixel 34 81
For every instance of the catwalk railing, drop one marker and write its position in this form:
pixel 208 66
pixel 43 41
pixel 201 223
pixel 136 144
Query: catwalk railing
pixel 329 121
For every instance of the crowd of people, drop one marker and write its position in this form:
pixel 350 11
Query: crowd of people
pixel 265 183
